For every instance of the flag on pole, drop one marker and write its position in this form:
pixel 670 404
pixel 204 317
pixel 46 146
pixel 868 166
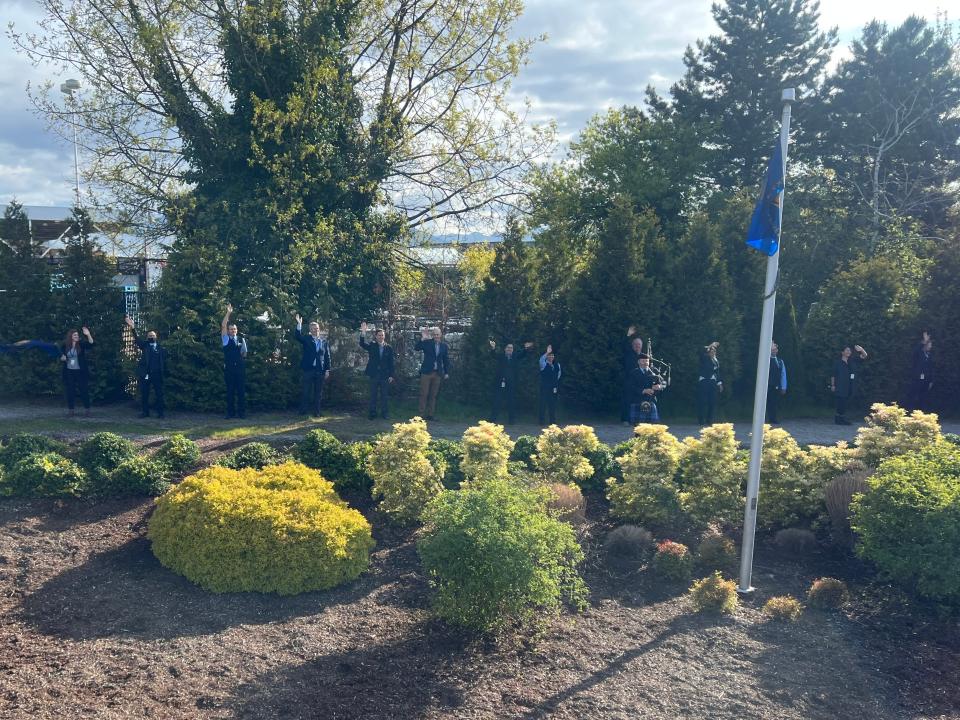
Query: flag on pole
pixel 764 232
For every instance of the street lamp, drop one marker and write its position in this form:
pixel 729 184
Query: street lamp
pixel 68 87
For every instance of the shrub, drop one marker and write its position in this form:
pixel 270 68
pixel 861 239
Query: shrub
pixel 523 450
pixel 561 453
pixel 647 493
pixel 179 454
pixel 102 453
pixel 403 478
pixel 139 475
pixel 281 529
pixel 891 431
pixel 838 496
pixel 712 476
pixel 605 465
pixel 496 557
pixel 566 503
pixel 827 593
pixel 952 438
pixel 344 464
pixel 824 463
pixel 628 542
pixel 908 521
pixel 447 458
pixel 44 475
pixel 717 552
pixel 789 494
pixel 672 561
pixel 795 541
pixel 714 594
pixel 256 455
pixel 23 445
pixel 486 451
pixel 783 608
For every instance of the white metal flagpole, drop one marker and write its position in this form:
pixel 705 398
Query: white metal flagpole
pixel 763 373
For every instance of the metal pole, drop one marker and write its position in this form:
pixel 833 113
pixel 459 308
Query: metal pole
pixel 76 155
pixel 763 375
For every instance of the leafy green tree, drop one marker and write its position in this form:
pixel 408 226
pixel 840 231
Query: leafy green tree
pixel 940 308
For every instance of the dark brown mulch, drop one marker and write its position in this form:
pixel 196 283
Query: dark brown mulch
pixel 92 626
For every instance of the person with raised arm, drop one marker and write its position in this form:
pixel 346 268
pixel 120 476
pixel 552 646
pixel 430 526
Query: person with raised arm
pixel 846 369
pixel 776 384
pixel 314 366
pixel 709 384
pixel 505 380
pixel 434 369
pixel 151 369
pixel 234 361
pixel 379 370
pixel 550 373
pixel 76 371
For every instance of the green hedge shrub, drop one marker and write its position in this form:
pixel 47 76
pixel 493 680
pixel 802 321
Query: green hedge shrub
pixel 23 445
pixel 605 466
pixel 712 476
pixel 790 495
pixel 908 521
pixel 256 455
pixel 139 475
pixel 44 475
pixel 524 448
pixel 281 529
pixel 102 453
pixel 561 453
pixel 647 493
pixel 343 464
pixel 403 479
pixel 179 454
pixel 891 431
pixel 446 457
pixel 496 558
pixel 717 552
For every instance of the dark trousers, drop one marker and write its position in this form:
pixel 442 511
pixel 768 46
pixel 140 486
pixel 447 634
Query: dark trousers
pixel 381 387
pixel 548 405
pixel 917 399
pixel 504 396
pixel 76 384
pixel 311 391
pixel 156 382
pixel 706 401
pixel 236 381
pixel 773 399
pixel 625 398
pixel 842 405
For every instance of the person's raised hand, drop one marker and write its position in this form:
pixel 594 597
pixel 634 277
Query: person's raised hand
pixel 229 308
pixel 493 345
pixel 549 349
pixel 632 330
pixel 298 318
pixel 528 345
pixel 85 330
pixel 129 321
pixel 424 333
pixel 363 326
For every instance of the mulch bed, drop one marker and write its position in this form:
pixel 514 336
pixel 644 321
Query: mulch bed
pixel 92 626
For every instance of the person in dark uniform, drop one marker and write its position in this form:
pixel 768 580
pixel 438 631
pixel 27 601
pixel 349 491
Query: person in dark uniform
pixel 776 383
pixel 843 380
pixel 631 351
pixel 709 383
pixel 921 373
pixel 644 387
pixel 550 374
pixel 234 361
pixel 314 367
pixel 151 369
pixel 505 380
pixel 379 370
pixel 76 371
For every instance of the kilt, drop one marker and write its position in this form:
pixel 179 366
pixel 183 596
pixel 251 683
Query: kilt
pixel 644 412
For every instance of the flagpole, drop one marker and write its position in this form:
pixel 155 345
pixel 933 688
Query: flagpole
pixel 763 373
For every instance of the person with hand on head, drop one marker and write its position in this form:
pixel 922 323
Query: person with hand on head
pixel 234 361
pixel 630 354
pixel 151 369
pixel 709 383
pixel 921 373
pixel 776 383
pixel 434 368
pixel 76 371
pixel 846 368
pixel 314 366
pixel 379 370
pixel 550 373
pixel 505 380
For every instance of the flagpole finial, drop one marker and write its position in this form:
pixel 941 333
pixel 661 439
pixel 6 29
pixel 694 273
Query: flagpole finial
pixel 788 95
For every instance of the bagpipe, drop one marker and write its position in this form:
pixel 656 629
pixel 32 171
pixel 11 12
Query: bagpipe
pixel 660 367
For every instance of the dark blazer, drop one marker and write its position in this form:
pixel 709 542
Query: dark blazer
pixel 378 368
pixel 431 357
pixel 550 377
pixel 507 368
pixel 922 365
pixel 628 358
pixel 708 368
pixel 143 364
pixel 843 383
pixel 641 380
pixel 310 353
pixel 82 348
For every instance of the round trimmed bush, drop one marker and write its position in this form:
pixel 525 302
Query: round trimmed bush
pixel 524 449
pixel 645 492
pixel 605 466
pixel 486 452
pixel 179 454
pixel 102 453
pixel 782 608
pixel 139 475
pixel 827 593
pixel 343 464
pixel 672 561
pixel 404 480
pixel 446 457
pixel 23 445
pixel 44 475
pixel 256 455
pixel 497 558
pixel 281 529
pixel 714 594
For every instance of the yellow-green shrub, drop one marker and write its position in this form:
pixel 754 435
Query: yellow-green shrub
pixel 890 431
pixel 44 475
pixel 23 445
pixel 179 453
pixel 783 608
pixel 486 452
pixel 403 478
pixel 712 476
pixel 789 493
pixel 281 529
pixel 647 494
pixel 561 453
pixel 714 594
pixel 717 552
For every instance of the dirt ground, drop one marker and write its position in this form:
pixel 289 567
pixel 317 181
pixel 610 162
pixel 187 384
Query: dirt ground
pixel 92 626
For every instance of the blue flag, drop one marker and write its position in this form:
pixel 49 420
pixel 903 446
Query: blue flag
pixel 764 232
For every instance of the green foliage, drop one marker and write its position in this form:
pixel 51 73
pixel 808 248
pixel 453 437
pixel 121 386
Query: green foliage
pixel 403 479
pixel 138 475
pixel 256 455
pixel 344 464
pixel 891 430
pixel 783 608
pixel 486 451
pixel 717 552
pixel 940 300
pixel 179 454
pixel 789 494
pixel 450 457
pixel 908 522
pixel 647 493
pixel 497 558
pixel 44 475
pixel 712 475
pixel 827 593
pixel 23 445
pixel 672 561
pixel 523 450
pixel 102 453
pixel 796 541
pixel 561 453
pixel 605 466
pixel 714 594
pixel 281 529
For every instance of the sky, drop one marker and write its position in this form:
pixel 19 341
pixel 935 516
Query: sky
pixel 598 54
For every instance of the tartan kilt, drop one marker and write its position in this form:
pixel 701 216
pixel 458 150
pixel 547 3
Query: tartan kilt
pixel 644 412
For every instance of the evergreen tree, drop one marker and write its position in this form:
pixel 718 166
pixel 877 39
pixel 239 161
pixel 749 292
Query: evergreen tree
pixel 940 308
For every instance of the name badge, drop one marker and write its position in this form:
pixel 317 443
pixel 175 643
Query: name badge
pixel 851 376
pixel 554 391
pixel 922 377
pixel 503 383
